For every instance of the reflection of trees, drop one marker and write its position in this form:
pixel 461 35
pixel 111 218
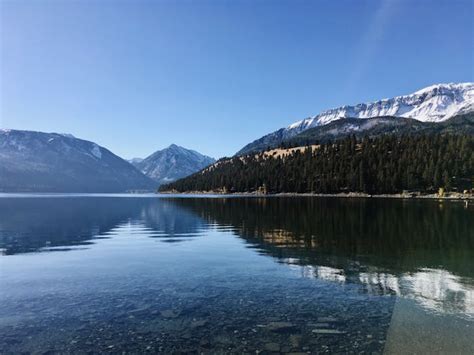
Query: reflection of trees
pixel 418 249
pixel 395 235
pixel 388 247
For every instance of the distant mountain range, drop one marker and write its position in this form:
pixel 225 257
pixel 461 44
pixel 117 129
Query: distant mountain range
pixel 435 103
pixel 51 162
pixel 172 163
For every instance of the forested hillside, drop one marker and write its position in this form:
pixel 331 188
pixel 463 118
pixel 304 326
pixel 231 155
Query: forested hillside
pixel 370 127
pixel 386 164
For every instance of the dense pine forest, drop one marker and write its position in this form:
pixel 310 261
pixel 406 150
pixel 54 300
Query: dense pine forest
pixel 383 165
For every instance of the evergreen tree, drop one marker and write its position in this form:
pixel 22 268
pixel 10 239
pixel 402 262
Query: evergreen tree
pixel 386 164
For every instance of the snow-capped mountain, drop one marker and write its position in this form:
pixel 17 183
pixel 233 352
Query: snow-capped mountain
pixel 343 127
pixel 172 163
pixel 51 162
pixel 435 103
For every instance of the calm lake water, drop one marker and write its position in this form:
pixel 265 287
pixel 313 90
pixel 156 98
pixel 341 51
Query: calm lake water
pixel 155 273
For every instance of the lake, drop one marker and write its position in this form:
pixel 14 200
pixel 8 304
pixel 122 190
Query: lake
pixel 180 274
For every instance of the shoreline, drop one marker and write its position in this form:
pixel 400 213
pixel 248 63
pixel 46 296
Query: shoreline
pixel 449 196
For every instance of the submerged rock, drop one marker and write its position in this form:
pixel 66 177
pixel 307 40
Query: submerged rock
pixel 168 313
pixel 295 340
pixel 272 347
pixel 327 331
pixel 327 319
pixel 198 323
pixel 281 327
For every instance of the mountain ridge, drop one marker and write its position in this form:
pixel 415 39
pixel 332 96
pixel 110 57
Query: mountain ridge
pixel 376 126
pixel 435 103
pixel 32 161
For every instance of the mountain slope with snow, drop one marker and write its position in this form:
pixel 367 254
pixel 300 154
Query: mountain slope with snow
pixel 172 163
pixel 343 127
pixel 50 162
pixel 435 103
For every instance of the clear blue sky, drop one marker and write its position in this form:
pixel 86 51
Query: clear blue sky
pixel 136 76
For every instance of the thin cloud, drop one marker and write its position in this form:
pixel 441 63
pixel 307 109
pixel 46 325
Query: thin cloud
pixel 370 42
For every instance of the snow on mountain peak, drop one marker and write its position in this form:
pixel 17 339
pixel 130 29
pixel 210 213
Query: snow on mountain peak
pixel 434 103
pixel 448 86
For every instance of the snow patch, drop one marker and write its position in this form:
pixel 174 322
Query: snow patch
pixel 96 151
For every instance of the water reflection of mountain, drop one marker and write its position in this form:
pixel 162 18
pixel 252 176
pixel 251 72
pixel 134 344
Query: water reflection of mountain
pixel 62 223
pixel 171 222
pixel 418 249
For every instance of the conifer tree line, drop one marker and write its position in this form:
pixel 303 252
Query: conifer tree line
pixel 385 164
